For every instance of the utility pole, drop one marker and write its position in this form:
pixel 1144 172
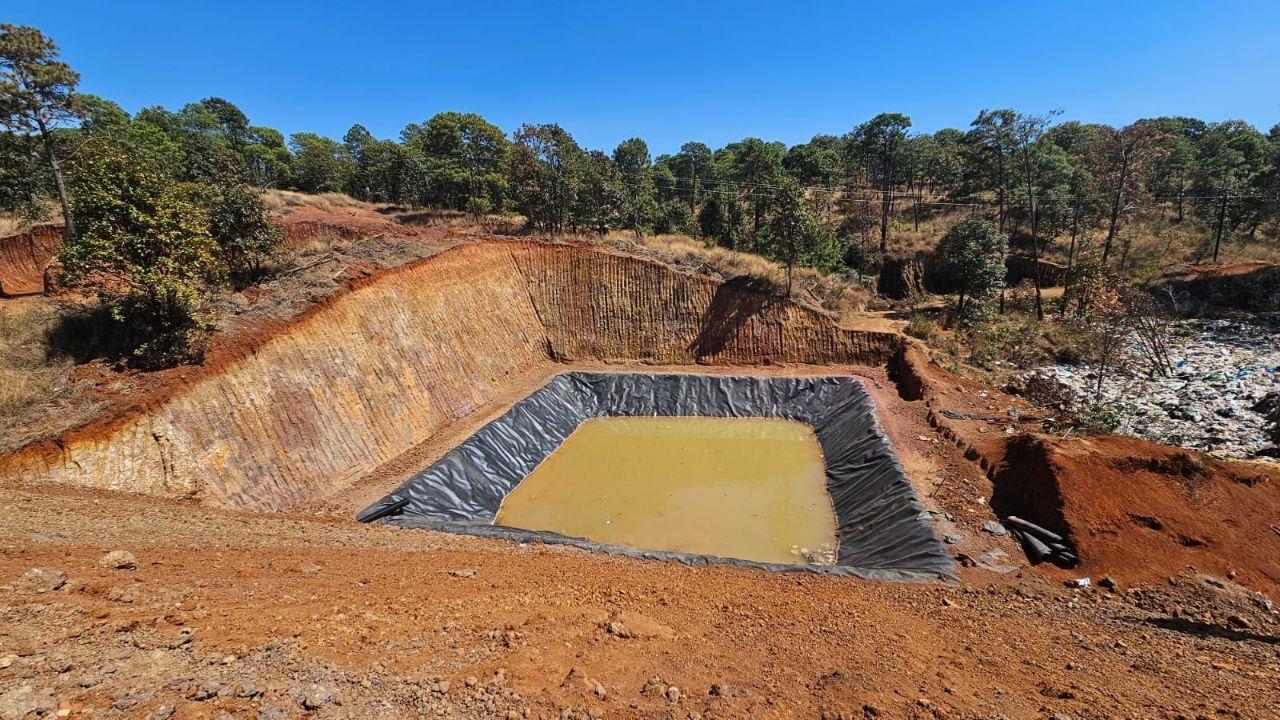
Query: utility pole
pixel 1217 236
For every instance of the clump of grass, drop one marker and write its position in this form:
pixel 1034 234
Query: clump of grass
pixel 277 200
pixel 921 327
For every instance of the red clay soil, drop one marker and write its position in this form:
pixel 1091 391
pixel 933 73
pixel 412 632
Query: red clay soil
pixel 259 615
pixel 24 258
pixel 1136 510
pixel 304 223
pixel 1141 512
pixel 1195 272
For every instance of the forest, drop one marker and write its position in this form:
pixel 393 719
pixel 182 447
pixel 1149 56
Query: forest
pixel 160 203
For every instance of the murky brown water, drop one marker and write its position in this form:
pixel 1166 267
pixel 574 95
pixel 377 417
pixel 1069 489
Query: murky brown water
pixel 748 488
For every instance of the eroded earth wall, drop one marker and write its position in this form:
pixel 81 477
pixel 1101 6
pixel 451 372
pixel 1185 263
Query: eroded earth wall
pixel 24 257
pixel 381 368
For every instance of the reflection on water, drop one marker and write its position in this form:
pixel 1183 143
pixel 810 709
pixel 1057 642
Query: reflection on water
pixel 749 488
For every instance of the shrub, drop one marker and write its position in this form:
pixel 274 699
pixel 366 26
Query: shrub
pixel 239 224
pixel 1097 418
pixel 921 327
pixel 144 247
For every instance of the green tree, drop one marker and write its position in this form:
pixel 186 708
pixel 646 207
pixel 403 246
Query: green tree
pixel 38 94
pixel 991 134
pixel 602 194
pixel 461 159
pixel 881 139
pixel 546 175
pixel 267 158
pixel 632 160
pixel 239 225
pixel 693 175
pixel 1232 157
pixel 974 249
pixel 816 162
pixel 755 168
pixel 144 246
pixel 24 177
pixel 794 233
pixel 320 164
pixel 1027 131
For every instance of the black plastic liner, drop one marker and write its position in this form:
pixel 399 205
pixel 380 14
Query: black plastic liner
pixel 882 530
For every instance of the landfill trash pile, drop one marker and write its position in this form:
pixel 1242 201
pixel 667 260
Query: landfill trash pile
pixel 1219 397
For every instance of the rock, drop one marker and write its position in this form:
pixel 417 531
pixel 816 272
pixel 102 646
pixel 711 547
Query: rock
pixel 164 712
pixel 466 573
pixel 315 697
pixel 635 625
pixel 19 702
pixel 119 560
pixel 1107 581
pixel 205 690
pixel 993 527
pixel 7 661
pixel 673 694
pixel 40 580
pixel 951 539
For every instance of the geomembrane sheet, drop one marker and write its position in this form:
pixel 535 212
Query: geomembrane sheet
pixel 882 530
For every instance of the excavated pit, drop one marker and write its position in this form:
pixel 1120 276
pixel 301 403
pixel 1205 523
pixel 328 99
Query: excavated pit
pixel 879 532
pixel 362 379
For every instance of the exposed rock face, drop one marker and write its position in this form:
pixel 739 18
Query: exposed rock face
pixel 377 370
pixel 914 275
pixel 24 257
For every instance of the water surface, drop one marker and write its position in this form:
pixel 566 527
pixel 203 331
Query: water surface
pixel 748 488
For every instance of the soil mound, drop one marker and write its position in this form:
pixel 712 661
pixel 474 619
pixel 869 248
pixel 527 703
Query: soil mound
pixel 24 257
pixel 1252 287
pixel 303 224
pixel 1140 512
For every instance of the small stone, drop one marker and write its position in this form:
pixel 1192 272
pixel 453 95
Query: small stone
pixel 673 694
pixel 40 580
pixel 164 712
pixel 119 560
pixel 23 701
pixel 465 573
pixel 993 527
pixel 1107 581
pixel 316 697
pixel 7 661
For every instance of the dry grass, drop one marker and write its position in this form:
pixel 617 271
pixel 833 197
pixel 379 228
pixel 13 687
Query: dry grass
pixel 35 381
pixel 830 292
pixel 14 223
pixel 277 200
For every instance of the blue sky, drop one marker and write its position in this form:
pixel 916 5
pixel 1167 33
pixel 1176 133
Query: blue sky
pixel 675 71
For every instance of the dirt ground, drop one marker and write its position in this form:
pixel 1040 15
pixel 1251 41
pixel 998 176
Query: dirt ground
pixel 239 615
pixel 225 614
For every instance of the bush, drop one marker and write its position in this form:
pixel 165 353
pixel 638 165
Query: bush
pixel 238 223
pixel 144 247
pixel 1097 418
pixel 921 327
pixel 974 248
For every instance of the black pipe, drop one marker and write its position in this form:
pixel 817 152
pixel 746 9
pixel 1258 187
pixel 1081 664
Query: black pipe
pixel 1046 535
